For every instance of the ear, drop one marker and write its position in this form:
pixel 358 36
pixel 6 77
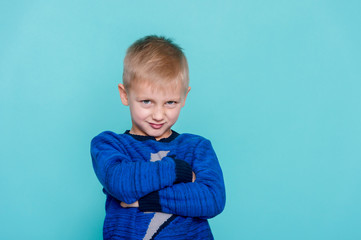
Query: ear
pixel 185 97
pixel 123 94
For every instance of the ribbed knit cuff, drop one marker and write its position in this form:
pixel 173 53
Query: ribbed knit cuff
pixel 150 203
pixel 183 171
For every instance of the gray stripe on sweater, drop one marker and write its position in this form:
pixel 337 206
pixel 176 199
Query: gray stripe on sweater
pixel 156 222
pixel 158 156
pixel 158 218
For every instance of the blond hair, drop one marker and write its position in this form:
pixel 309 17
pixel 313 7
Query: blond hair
pixel 155 60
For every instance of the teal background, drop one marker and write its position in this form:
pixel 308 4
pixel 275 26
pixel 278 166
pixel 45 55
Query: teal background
pixel 275 86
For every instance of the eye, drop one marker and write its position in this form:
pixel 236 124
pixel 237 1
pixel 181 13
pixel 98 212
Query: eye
pixel 146 102
pixel 171 104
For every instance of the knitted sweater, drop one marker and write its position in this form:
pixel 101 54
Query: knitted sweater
pixel 158 174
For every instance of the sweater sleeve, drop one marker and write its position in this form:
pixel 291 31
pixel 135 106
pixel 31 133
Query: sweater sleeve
pixel 130 179
pixel 205 198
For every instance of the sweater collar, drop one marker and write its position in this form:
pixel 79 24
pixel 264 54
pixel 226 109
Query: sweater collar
pixel 145 138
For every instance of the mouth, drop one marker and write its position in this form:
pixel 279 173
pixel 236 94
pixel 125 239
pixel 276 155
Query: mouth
pixel 156 126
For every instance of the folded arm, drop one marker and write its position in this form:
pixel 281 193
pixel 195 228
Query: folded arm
pixel 130 179
pixel 205 198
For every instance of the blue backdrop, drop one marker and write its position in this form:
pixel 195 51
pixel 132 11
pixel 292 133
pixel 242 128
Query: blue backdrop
pixel 276 86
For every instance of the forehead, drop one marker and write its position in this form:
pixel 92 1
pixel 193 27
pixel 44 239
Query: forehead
pixel 148 89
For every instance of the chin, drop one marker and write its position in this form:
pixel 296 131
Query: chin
pixel 157 134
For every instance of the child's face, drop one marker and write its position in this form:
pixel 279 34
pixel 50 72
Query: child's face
pixel 153 111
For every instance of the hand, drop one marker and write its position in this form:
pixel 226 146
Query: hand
pixel 125 205
pixel 193 177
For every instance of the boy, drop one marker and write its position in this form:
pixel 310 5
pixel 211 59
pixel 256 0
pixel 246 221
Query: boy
pixel 159 184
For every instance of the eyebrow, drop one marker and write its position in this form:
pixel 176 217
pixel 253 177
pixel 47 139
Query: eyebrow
pixel 167 100
pixel 174 99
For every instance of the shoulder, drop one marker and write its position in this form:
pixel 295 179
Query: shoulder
pixel 191 139
pixel 109 137
pixel 198 145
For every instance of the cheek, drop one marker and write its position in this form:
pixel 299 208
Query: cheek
pixel 138 112
pixel 173 114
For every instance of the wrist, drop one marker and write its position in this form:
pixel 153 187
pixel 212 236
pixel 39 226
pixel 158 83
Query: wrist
pixel 150 203
pixel 183 171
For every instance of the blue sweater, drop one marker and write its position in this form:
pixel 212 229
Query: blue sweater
pixel 158 174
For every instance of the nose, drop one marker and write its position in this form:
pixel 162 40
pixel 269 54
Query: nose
pixel 158 114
